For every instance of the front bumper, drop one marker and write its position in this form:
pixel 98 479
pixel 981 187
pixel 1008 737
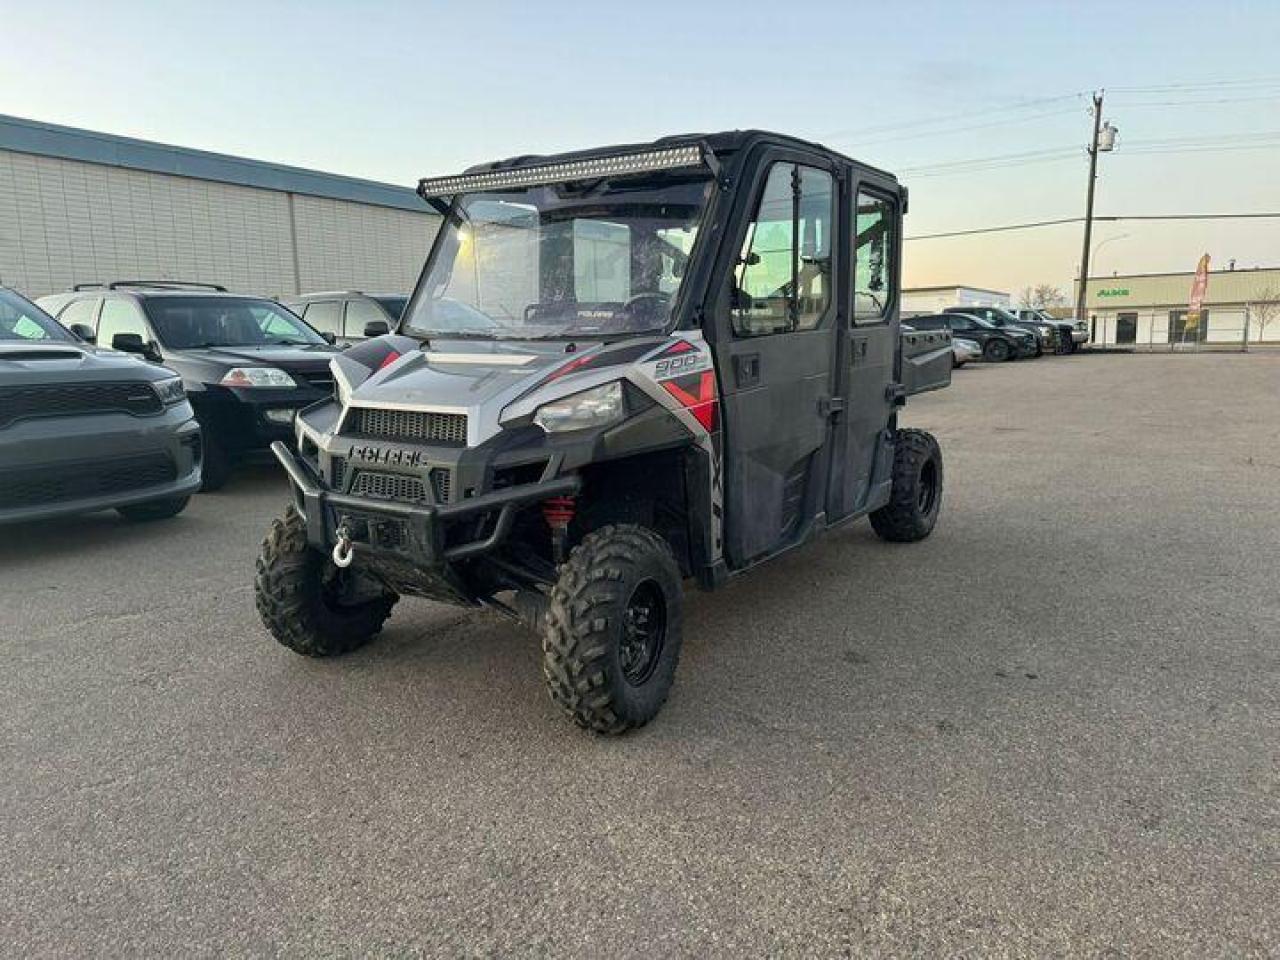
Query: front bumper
pixel 413 532
pixel 54 467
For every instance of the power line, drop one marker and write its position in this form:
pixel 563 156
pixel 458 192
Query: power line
pixel 947 132
pixel 948 119
pixel 1112 219
pixel 1204 84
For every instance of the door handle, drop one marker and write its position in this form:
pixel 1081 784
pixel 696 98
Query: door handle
pixel 746 369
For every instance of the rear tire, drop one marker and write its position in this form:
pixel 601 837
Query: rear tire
pixel 611 636
pixel 916 495
pixel 997 351
pixel 296 592
pixel 154 509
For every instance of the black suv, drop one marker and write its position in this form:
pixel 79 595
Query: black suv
pixel 997 344
pixel 350 315
pixel 1043 334
pixel 247 363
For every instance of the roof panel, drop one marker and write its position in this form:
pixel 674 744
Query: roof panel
pixel 89 146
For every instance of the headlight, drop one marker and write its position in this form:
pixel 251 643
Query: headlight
pixel 257 377
pixel 597 407
pixel 170 390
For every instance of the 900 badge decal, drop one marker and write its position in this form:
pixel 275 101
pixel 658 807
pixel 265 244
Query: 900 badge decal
pixel 678 360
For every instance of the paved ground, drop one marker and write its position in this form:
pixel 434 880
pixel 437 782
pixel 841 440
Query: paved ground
pixel 1072 749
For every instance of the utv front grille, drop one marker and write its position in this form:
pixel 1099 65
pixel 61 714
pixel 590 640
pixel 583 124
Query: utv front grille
pixel 399 486
pixel 76 399
pixel 82 479
pixel 410 425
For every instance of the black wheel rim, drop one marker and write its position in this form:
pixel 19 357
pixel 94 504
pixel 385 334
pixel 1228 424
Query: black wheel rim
pixel 927 489
pixel 644 633
pixel 999 350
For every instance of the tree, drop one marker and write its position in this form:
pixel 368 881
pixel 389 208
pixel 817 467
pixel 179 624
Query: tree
pixel 1041 296
pixel 1263 308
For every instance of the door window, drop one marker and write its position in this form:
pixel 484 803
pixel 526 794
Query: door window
pixel 325 316
pixel 875 243
pixel 960 323
pixel 80 311
pixel 120 316
pixel 1185 328
pixel 359 313
pixel 783 278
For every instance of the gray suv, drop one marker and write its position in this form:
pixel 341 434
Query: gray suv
pixel 83 429
pixel 349 315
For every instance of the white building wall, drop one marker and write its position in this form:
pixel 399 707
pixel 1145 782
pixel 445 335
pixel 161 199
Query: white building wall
pixel 354 245
pixel 64 222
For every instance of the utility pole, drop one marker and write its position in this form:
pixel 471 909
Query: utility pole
pixel 1088 209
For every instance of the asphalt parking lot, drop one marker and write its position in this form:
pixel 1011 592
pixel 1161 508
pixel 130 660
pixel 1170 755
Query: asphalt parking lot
pixel 1052 728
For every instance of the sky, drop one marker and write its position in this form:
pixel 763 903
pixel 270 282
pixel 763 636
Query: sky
pixel 395 91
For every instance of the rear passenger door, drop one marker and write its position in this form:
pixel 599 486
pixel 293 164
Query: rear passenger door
pixel 869 343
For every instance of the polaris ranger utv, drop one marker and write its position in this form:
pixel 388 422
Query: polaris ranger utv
pixel 620 369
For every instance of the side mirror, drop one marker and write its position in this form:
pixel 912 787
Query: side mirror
pixel 329 337
pixel 133 343
pixel 84 332
pixel 376 328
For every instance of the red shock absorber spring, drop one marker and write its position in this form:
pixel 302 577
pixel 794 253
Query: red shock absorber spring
pixel 558 512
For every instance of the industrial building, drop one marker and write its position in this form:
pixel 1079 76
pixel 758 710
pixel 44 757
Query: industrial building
pixel 1150 309
pixel 78 206
pixel 934 299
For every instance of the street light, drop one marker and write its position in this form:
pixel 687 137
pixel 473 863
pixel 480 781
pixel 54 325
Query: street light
pixel 1102 243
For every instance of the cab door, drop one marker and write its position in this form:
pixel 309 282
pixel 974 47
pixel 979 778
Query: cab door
pixel 867 375
pixel 776 320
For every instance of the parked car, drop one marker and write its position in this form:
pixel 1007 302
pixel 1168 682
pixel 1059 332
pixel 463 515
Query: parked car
pixel 247 362
pixel 963 350
pixel 1079 330
pixel 1046 336
pixel 350 315
pixel 996 344
pixel 1063 342
pixel 83 429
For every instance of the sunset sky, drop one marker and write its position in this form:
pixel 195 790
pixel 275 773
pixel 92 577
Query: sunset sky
pixel 393 91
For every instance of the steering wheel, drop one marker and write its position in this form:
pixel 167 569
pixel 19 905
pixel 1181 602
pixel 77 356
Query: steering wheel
pixel 655 297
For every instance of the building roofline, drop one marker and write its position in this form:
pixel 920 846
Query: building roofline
pixel 89 146
pixel 954 286
pixel 1177 273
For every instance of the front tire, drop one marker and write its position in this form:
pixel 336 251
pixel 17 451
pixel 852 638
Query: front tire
pixel 996 351
pixel 154 509
pixel 916 495
pixel 611 636
pixel 299 594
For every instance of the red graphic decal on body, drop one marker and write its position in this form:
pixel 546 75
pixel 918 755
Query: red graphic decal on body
pixel 697 394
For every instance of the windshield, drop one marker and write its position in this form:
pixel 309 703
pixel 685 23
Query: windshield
pixel 183 323
pixel 592 258
pixel 393 305
pixel 20 319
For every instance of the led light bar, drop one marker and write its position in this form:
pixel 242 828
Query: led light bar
pixel 650 160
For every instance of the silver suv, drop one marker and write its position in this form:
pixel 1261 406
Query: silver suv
pixel 349 315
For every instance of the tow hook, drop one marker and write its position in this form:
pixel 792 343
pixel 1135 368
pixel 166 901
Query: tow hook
pixel 343 551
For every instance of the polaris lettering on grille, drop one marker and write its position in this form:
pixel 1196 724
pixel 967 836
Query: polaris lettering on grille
pixel 367 453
